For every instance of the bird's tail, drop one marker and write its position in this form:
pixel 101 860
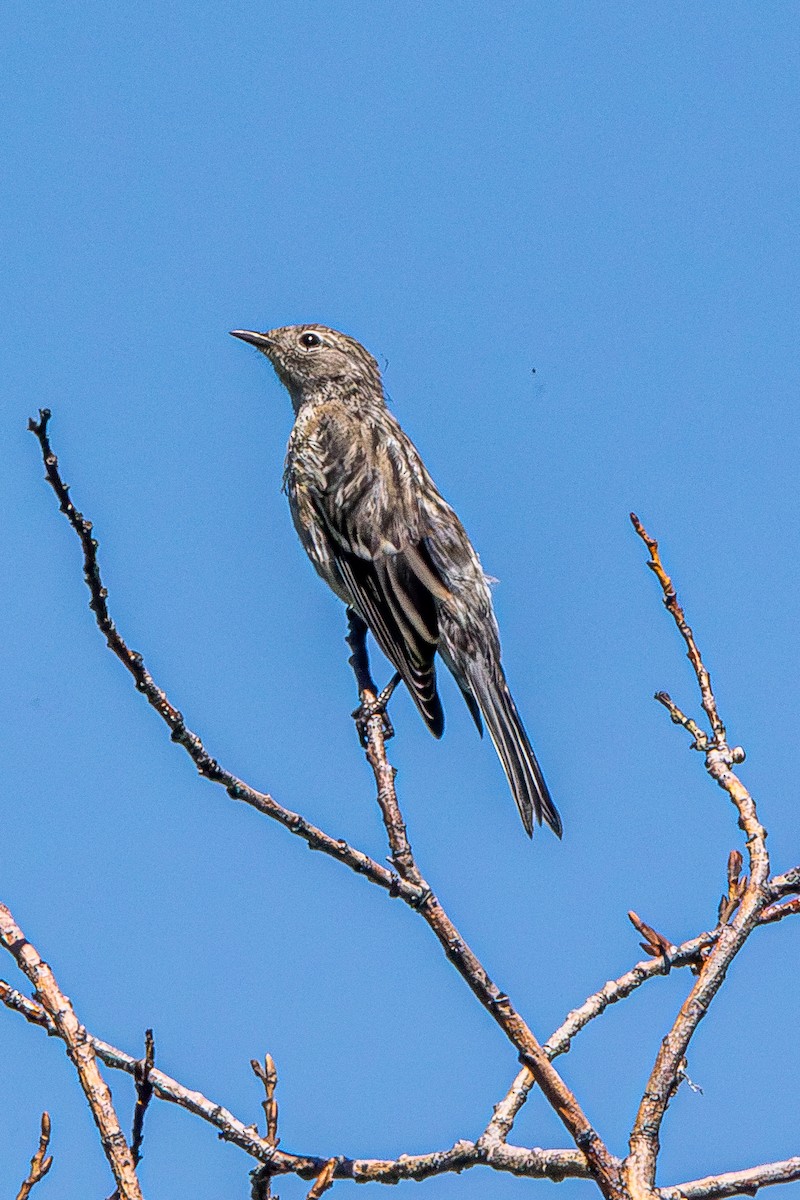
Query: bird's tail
pixel 523 772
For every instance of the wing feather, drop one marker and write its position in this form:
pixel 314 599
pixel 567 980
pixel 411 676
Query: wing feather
pixel 410 654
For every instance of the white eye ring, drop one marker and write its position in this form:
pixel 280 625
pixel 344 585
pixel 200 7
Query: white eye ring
pixel 310 341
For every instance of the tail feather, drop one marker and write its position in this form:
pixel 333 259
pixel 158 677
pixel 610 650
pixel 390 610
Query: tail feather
pixel 513 747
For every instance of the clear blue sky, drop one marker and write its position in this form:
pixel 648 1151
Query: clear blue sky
pixel 605 193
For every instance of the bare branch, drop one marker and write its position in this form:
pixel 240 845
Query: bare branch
pixel 144 1094
pixel 206 765
pixel 654 943
pixel 323 1181
pixel 737 883
pixel 80 1051
pixel 776 912
pixel 679 718
pixel 640 1166
pixel 603 1166
pixel 748 902
pixel 735 1183
pixel 786 884
pixel 41 1161
pixel 408 883
pixel 164 1087
pixel 532 1164
pixel 535 1163
pixel 692 652
pixel 268 1074
pixel 688 954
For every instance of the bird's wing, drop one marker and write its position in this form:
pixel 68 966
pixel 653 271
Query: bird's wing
pixel 354 504
pixel 402 617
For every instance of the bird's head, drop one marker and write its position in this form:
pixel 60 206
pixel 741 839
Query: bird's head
pixel 307 358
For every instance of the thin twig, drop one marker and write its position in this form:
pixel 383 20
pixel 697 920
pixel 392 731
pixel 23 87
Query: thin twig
pixel 678 615
pixel 735 1183
pixel 371 717
pixel 679 718
pixel 640 1167
pixel 144 1094
pixel 654 943
pixel 687 954
pixel 206 765
pixel 602 1164
pixel 407 883
pixel 785 885
pixel 268 1074
pixel 776 912
pixel 737 885
pixel 534 1163
pixel 80 1051
pixel 323 1181
pixel 41 1161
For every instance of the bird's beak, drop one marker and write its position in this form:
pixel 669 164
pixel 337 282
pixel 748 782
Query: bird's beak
pixel 259 340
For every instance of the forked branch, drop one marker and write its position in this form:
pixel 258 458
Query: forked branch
pixel 407 882
pixel 65 1024
pixel 41 1161
pixel 749 901
pixel 640 1168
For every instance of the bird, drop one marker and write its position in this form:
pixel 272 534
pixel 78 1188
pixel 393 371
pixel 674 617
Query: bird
pixel 381 535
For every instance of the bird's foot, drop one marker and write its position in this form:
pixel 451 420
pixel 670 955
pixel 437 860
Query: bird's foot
pixel 375 706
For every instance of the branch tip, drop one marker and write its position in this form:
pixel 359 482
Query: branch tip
pixel 268 1074
pixel 654 943
pixel 144 1094
pixel 323 1181
pixel 41 1161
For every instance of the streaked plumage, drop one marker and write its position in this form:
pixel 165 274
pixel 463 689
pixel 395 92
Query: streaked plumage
pixel 380 534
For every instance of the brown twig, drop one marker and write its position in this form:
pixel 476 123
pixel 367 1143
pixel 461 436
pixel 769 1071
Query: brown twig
pixel 407 882
pixel 737 884
pixel 640 1166
pixel 533 1163
pixel 602 1164
pixel 268 1074
pixel 371 717
pixel 735 1183
pixel 323 1181
pixel 206 765
pixel 679 617
pixel 679 718
pixel 654 943
pixel 785 885
pixel 687 954
pixel 80 1051
pixel 144 1094
pixel 776 912
pixel 41 1161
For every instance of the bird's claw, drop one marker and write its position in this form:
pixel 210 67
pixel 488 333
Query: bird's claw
pixel 375 706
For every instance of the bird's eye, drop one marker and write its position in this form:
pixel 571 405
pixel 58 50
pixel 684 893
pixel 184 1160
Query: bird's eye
pixel 310 340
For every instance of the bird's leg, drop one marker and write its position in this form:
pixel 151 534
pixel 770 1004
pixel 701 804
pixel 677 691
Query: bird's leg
pixel 359 659
pixel 373 705
pixel 372 702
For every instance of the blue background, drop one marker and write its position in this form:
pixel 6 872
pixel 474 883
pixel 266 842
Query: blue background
pixel 605 193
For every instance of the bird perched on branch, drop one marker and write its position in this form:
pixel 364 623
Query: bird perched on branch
pixel 382 537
